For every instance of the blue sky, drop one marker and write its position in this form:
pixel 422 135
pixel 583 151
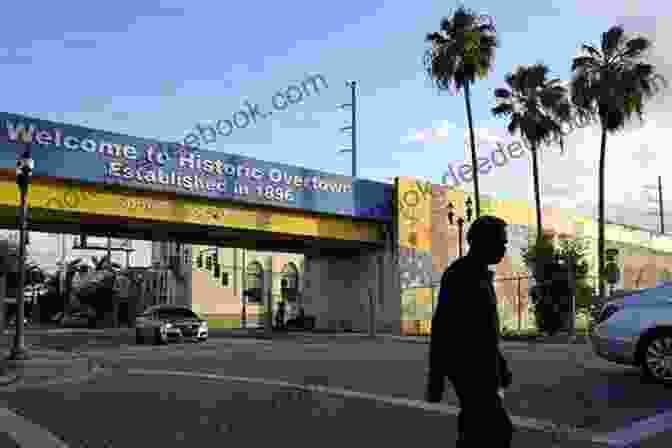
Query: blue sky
pixel 155 69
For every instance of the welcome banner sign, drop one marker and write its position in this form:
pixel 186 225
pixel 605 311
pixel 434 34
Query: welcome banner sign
pixel 86 155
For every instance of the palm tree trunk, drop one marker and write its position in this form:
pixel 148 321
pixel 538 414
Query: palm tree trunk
pixel 600 216
pixel 474 162
pixel 537 194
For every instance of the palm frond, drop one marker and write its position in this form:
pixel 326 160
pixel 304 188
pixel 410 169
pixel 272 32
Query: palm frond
pixel 584 63
pixel 611 40
pixel 514 125
pixel 502 93
pixel 635 47
pixel 504 108
pixel 544 104
pixel 462 51
pixel 593 52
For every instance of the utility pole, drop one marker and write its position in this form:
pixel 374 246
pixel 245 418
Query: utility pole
pixel 128 254
pixel 659 212
pixel 352 127
pixel 660 204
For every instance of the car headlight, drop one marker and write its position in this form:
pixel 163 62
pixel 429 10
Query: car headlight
pixel 204 325
pixel 168 325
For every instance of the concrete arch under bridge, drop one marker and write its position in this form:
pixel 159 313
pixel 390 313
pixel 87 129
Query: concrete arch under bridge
pixel 104 184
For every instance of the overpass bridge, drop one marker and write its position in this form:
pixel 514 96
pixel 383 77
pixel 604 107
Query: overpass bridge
pixel 93 182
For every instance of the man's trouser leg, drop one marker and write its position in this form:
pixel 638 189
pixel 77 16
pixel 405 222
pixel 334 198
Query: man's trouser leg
pixel 483 420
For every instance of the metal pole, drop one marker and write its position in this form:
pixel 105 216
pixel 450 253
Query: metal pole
pixel 520 308
pixel 269 311
pixel 460 224
pixel 353 87
pixel 243 283
pixel 372 315
pixel 572 285
pixel 109 249
pixel 19 351
pixel 660 204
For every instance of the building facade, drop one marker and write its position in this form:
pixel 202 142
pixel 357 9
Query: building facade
pixel 214 280
pixel 428 243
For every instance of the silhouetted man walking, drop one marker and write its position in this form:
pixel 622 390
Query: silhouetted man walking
pixel 465 340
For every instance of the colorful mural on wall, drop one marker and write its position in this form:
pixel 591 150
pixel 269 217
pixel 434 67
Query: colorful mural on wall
pixel 414 221
pixel 644 257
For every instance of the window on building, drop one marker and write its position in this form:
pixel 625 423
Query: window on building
pixel 225 279
pixel 289 283
pixel 254 282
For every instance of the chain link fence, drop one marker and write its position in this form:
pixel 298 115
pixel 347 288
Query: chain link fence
pixel 419 303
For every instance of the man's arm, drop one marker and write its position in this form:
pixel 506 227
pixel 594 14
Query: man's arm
pixel 505 372
pixel 439 351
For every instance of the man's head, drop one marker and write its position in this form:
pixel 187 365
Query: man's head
pixel 487 239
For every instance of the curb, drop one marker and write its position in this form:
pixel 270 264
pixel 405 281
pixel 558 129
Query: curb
pixel 63 367
pixel 25 433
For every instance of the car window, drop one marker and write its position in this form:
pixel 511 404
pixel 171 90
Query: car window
pixel 177 313
pixel 650 295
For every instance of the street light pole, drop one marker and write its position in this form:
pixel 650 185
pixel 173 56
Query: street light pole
pixel 243 284
pixel 24 171
pixel 660 204
pixel 353 87
pixel 460 221
pixel 460 226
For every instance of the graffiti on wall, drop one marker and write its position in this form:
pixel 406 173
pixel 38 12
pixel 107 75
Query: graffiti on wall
pixel 414 218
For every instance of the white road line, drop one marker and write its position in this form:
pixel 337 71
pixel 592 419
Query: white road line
pixel 639 430
pixel 26 433
pixel 520 422
pixel 56 381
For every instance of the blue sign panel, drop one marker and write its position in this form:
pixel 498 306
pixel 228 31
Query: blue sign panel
pixel 88 155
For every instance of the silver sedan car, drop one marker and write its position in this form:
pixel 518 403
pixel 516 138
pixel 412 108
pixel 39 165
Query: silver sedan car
pixel 163 323
pixel 637 330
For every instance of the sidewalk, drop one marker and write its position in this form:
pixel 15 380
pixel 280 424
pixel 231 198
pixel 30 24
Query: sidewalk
pixel 559 340
pixel 45 367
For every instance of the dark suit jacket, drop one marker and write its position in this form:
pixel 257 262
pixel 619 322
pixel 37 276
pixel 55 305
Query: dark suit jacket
pixel 464 343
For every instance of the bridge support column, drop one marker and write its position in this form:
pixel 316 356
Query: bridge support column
pixel 355 293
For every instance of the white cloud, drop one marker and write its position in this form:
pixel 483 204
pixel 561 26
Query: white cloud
pixel 437 134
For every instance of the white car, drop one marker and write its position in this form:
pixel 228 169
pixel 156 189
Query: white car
pixel 637 330
pixel 163 323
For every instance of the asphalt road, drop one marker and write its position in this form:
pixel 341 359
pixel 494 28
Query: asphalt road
pixel 550 384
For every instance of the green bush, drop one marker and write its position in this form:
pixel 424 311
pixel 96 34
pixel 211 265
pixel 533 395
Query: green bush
pixel 547 315
pixel 552 295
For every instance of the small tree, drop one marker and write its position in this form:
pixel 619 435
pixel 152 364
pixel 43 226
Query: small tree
pixel 552 290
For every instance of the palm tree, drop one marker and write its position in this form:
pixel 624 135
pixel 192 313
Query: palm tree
pixel 462 51
pixel 538 108
pixel 610 84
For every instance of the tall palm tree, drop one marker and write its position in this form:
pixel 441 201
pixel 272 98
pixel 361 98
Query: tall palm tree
pixel 611 84
pixel 462 51
pixel 538 108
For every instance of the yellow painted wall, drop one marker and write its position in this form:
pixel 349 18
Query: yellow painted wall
pixel 91 200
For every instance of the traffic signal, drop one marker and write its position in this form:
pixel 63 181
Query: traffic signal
pixel 199 261
pixel 217 272
pixel 208 263
pixel 215 259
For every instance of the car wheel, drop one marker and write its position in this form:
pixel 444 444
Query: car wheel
pixel 657 357
pixel 160 336
pixel 138 337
